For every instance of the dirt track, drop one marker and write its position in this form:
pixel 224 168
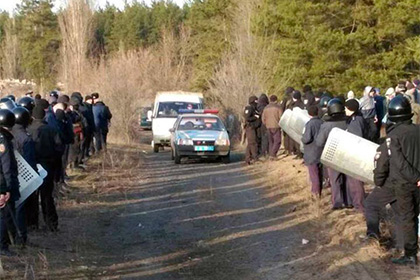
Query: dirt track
pixel 137 215
pixel 200 220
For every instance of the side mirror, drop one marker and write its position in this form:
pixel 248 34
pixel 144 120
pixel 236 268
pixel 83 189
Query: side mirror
pixel 149 115
pixel 171 130
pixel 228 132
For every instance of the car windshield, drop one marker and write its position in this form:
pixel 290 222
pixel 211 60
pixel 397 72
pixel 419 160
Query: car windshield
pixel 170 109
pixel 200 123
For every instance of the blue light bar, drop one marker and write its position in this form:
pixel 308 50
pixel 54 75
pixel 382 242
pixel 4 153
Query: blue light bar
pixel 198 111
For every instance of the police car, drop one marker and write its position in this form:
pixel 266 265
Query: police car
pixel 199 134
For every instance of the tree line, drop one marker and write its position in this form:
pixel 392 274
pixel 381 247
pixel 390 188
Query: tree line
pixel 334 44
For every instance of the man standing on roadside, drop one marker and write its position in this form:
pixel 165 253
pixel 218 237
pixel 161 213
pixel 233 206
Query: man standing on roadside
pixel 48 149
pixel 262 131
pixel 312 153
pixel 102 116
pixel 252 123
pixel 271 118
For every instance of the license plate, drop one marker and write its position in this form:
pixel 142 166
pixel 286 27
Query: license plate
pixel 204 148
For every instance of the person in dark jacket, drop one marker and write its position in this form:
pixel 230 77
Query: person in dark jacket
pixel 380 108
pixel 53 121
pixel 25 146
pixel 356 125
pixel 312 153
pixel 65 129
pixel 91 131
pixel 382 194
pixel 285 104
pixel 297 100
pixel 262 130
pixel 336 118
pixel 65 125
pixel 89 128
pixel 9 183
pixel 48 149
pixel 78 124
pixel 252 123
pixel 308 96
pixel 398 168
pixel 102 116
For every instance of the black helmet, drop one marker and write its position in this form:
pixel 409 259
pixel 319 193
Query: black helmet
pixel 22 116
pixel 27 102
pixel 11 97
pixel 335 107
pixel 7 118
pixel 324 101
pixel 399 109
pixel 7 103
pixel 54 93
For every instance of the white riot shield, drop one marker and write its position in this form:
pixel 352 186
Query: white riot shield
pixel 41 171
pixel 29 180
pixel 350 154
pixel 293 123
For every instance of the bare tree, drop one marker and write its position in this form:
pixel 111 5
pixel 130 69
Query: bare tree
pixel 244 69
pixel 76 31
pixel 10 51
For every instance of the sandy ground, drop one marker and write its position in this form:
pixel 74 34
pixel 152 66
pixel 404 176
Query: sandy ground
pixel 137 215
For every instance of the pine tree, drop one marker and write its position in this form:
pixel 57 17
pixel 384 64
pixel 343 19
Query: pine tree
pixel 341 45
pixel 39 39
pixel 210 22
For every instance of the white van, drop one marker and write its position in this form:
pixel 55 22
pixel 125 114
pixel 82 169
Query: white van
pixel 165 113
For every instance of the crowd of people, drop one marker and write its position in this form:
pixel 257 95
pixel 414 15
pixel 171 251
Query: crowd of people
pixel 392 121
pixel 58 132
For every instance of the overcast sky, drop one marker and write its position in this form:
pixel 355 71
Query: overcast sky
pixel 9 5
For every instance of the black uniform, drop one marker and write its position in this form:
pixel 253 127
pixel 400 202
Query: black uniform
pixel 262 130
pixel 8 183
pixel 86 110
pixel 24 144
pixel 48 147
pixel 398 171
pixel 252 123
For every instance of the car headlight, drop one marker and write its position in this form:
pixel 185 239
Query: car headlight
pixel 222 142
pixel 185 142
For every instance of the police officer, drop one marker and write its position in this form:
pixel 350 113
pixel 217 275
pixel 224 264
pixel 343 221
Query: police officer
pixel 24 144
pixel 252 123
pixel 397 172
pixel 27 102
pixel 9 184
pixel 323 106
pixel 336 118
pixel 48 147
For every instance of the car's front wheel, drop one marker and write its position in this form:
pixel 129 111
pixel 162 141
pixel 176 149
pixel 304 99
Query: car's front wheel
pixel 226 159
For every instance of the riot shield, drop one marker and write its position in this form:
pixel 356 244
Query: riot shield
pixel 29 180
pixel 350 154
pixel 293 123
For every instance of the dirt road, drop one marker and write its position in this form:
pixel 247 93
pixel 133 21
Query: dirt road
pixel 198 220
pixel 137 215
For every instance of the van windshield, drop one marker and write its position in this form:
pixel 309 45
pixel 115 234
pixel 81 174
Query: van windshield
pixel 170 109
